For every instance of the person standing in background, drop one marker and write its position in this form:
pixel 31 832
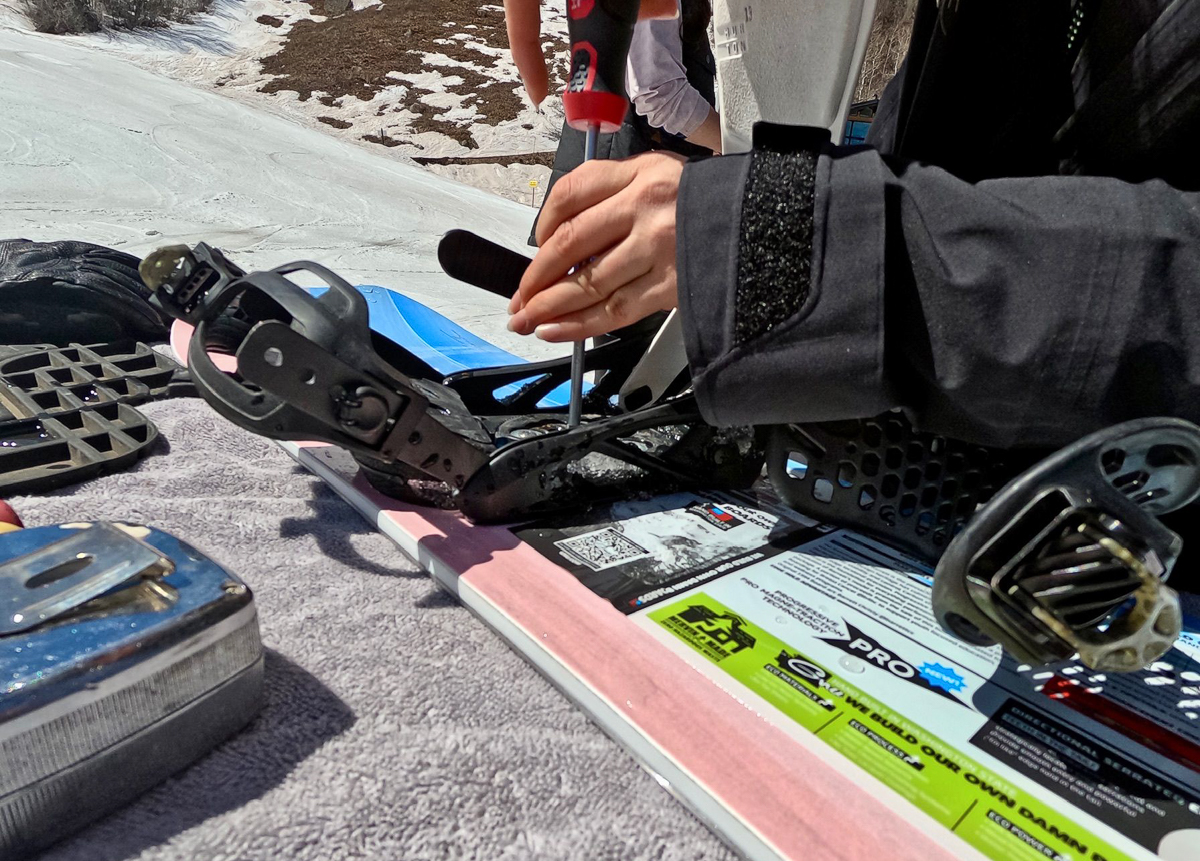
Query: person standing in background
pixel 672 81
pixel 671 78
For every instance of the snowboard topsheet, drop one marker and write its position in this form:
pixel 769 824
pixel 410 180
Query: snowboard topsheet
pixel 439 341
pixel 789 683
pixel 435 339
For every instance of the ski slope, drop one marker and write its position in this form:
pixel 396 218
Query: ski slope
pixel 94 148
pixel 222 50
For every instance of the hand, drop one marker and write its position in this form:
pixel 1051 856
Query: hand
pixel 619 216
pixel 524 22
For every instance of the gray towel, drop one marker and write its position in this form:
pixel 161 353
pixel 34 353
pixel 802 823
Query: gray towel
pixel 396 725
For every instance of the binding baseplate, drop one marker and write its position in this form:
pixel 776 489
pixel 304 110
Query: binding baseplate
pixel 310 368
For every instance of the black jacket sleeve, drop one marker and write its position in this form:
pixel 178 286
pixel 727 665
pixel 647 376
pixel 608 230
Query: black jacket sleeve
pixel 1023 311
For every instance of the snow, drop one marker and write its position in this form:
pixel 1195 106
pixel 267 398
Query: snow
pixel 224 41
pixel 511 181
pixel 221 50
pixel 94 148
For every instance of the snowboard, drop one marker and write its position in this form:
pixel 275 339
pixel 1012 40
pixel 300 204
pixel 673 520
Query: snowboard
pixel 785 681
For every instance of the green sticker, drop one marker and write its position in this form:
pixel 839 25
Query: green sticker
pixel 989 812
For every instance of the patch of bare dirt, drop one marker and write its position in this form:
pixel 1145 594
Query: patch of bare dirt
pixel 361 52
pixel 455 132
pixel 382 139
pixel 544 159
pixel 269 21
pixel 432 79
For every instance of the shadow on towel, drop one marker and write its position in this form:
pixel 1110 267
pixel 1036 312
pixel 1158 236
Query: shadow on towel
pixel 299 715
pixel 329 525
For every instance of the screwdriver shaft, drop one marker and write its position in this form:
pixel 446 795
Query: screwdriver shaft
pixel 575 410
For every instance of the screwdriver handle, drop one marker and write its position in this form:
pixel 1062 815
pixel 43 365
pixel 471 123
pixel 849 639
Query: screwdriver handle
pixel 482 263
pixel 600 32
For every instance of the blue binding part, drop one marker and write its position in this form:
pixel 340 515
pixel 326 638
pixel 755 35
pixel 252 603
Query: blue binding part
pixel 446 346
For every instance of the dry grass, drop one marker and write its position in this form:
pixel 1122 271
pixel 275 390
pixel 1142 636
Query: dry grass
pixel 886 47
pixel 88 16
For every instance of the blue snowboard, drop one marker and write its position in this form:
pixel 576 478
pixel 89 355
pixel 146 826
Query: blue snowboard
pixel 440 342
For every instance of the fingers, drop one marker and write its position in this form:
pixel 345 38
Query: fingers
pixel 584 216
pixel 632 302
pixel 523 19
pixel 585 186
pixel 592 284
pixel 618 217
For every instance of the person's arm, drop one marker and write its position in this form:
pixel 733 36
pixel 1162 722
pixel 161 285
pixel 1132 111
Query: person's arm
pixel 1006 312
pixel 708 133
pixel 1009 311
pixel 659 87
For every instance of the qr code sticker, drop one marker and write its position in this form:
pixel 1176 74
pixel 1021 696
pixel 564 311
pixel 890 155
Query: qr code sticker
pixel 601 549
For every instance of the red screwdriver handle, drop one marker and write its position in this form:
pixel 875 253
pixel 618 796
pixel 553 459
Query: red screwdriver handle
pixel 600 32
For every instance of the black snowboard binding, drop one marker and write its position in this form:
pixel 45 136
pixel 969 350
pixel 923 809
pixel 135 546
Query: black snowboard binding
pixel 1071 558
pixel 312 369
pixel 1049 557
pixel 1066 556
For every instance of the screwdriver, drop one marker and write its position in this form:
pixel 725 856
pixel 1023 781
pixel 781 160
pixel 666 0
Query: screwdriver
pixel 595 101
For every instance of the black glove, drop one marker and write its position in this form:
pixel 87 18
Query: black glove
pixel 73 292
